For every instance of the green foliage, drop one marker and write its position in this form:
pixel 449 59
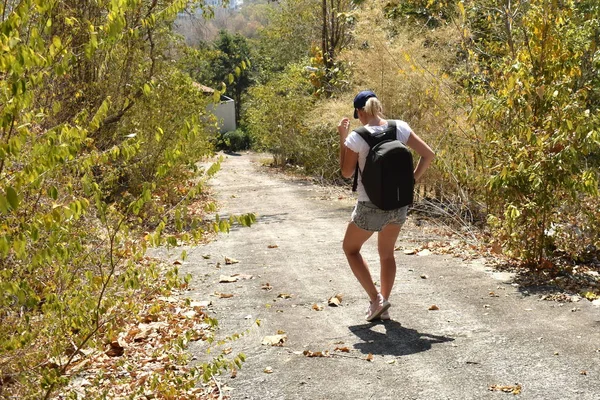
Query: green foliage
pixel 225 64
pixel 539 128
pixel 292 28
pixel 232 66
pixel 275 113
pixel 99 137
pixel 236 140
pixel 431 13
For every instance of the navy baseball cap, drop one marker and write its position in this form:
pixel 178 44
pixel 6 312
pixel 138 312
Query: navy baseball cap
pixel 361 99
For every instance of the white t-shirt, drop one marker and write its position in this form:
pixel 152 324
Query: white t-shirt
pixel 358 145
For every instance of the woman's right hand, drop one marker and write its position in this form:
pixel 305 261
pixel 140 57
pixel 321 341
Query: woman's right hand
pixel 344 127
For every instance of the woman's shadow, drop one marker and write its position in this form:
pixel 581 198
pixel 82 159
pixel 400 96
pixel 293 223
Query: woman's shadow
pixel 396 341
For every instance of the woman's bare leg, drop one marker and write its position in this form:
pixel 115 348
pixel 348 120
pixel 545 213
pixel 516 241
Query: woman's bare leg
pixel 353 240
pixel 386 242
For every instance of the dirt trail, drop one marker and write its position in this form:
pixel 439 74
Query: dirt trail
pixel 486 332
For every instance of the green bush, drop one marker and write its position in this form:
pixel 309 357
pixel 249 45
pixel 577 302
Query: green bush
pixel 236 140
pixel 275 113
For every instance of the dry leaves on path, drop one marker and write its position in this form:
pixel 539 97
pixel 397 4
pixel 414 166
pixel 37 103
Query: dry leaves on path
pixel 267 286
pixel 514 389
pixel 234 278
pixel 312 354
pixel 274 340
pixel 143 352
pixel 227 279
pixel 342 349
pixel 335 301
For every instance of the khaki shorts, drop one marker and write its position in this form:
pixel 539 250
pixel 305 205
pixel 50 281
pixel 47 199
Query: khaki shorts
pixel 367 216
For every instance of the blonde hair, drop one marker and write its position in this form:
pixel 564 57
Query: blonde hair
pixel 373 107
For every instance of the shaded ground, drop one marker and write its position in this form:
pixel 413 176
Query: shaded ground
pixel 486 335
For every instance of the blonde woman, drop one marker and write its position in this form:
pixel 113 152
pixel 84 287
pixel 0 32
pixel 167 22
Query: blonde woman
pixel 366 217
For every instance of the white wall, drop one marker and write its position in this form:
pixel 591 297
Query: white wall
pixel 225 113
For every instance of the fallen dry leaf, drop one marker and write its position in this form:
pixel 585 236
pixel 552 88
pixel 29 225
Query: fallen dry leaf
pixel 342 349
pixel 274 340
pixel 423 253
pixel 272 246
pixel 227 279
pixel 201 304
pixel 224 295
pixel 583 372
pixel 267 287
pixel 176 262
pixel 284 296
pixel 116 350
pixel 335 301
pixel 233 373
pixel 309 353
pixel 268 370
pixel 424 276
pixel 317 307
pixel 229 260
pixel 434 308
pixel 369 357
pixel 516 389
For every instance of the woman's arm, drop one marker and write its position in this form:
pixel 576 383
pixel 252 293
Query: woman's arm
pixel 423 150
pixel 348 158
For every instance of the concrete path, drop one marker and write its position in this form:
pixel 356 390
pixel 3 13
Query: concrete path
pixel 486 336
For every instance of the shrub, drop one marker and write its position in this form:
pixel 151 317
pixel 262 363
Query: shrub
pixel 275 112
pixel 236 140
pixel 88 156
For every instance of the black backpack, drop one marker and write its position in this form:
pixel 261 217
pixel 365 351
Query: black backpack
pixel 388 174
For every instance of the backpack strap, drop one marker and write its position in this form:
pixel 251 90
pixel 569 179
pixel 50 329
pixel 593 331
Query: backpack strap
pixel 372 140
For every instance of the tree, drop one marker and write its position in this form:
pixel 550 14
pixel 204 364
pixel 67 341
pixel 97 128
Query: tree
pixel 232 66
pixel 539 120
pixel 98 132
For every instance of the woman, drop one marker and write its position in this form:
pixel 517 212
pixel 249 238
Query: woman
pixel 366 217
